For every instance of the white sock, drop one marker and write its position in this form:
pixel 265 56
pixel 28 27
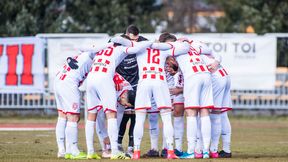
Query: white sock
pixel 89 132
pixel 60 133
pixel 120 113
pixel 226 132
pixel 178 132
pixel 113 135
pixel 101 129
pixel 215 131
pixel 199 143
pixel 72 137
pixel 138 130
pixel 206 132
pixel 191 133
pixel 168 130
pixel 153 130
pixel 164 140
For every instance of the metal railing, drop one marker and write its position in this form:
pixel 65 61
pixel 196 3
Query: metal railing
pixel 242 99
pixel 29 100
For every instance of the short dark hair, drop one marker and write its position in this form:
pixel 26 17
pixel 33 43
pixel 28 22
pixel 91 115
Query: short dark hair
pixel 166 36
pixel 132 29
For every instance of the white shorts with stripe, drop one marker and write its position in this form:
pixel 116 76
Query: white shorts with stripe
pixel 67 96
pixel 103 88
pixel 178 99
pixel 198 91
pixel 221 93
pixel 151 88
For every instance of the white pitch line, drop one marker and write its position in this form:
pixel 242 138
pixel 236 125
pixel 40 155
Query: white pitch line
pixel 26 129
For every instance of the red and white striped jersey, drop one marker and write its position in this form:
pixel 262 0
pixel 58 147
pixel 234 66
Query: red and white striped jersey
pixel 106 61
pixel 192 63
pixel 76 75
pixel 151 62
pixel 209 59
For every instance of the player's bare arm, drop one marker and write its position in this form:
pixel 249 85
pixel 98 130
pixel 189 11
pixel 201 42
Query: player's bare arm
pixel 176 91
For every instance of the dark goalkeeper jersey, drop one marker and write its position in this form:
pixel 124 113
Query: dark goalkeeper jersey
pixel 128 68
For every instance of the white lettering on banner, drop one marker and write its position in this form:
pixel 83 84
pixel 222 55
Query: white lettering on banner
pixel 21 65
pixel 60 49
pixel 251 62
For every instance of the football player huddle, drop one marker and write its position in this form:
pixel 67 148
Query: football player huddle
pixel 130 77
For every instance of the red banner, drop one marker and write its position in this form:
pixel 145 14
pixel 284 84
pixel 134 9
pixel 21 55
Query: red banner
pixel 21 65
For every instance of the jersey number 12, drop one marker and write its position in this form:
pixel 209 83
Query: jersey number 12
pixel 153 56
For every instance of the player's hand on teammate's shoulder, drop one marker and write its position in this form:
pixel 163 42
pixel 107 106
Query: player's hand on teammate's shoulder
pixel 214 66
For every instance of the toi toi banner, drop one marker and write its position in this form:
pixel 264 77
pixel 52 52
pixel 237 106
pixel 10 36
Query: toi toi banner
pixel 250 61
pixel 21 65
pixel 60 49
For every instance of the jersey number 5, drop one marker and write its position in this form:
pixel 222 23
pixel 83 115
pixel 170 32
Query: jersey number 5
pixel 107 52
pixel 153 56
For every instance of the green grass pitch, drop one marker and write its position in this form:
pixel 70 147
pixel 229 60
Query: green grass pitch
pixel 253 139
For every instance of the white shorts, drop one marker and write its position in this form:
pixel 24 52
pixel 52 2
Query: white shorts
pixel 103 88
pixel 227 101
pixel 221 93
pixel 178 99
pixel 158 90
pixel 99 106
pixel 198 91
pixel 67 96
pixel 154 109
pixel 94 101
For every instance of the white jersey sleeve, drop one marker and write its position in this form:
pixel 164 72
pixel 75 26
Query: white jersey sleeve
pixel 140 46
pixel 205 50
pixel 180 48
pixel 162 46
pixel 82 62
pixel 220 71
pixel 96 49
pixel 217 57
pixel 122 41
pixel 172 48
